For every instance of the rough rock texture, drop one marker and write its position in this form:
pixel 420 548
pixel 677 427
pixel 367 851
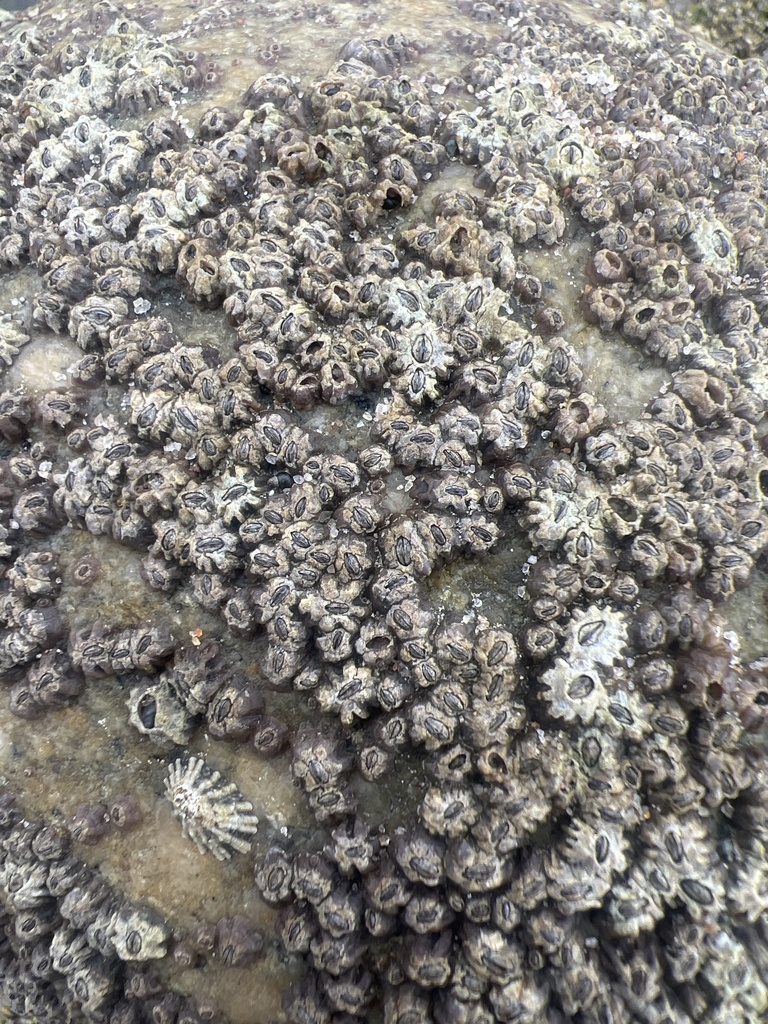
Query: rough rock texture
pixel 387 394
pixel 740 26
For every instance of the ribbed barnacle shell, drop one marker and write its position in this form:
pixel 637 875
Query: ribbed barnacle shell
pixel 213 814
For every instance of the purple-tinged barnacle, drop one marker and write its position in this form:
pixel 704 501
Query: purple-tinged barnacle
pixel 124 812
pixel 167 1009
pixel 234 711
pixel 340 912
pixel 90 823
pixel 237 941
pixel 269 736
pixel 296 927
pixel 141 983
pixel 53 682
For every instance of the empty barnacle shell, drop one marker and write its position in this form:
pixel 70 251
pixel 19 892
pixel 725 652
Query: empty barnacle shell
pixel 156 711
pixel 213 814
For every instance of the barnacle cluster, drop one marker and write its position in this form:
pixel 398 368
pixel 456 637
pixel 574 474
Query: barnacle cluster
pixel 71 946
pixel 384 395
pixel 738 26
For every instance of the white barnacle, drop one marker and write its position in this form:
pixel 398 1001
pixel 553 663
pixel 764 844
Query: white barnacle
pixel 213 814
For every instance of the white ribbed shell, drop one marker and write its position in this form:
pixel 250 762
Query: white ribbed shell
pixel 214 815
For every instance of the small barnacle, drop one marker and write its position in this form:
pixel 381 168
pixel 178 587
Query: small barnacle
pixel 237 941
pixel 213 814
pixel 89 823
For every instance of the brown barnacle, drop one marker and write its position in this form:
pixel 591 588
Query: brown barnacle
pixel 234 711
pixel 274 877
pixel 52 681
pixel 22 703
pixel 237 942
pixel 51 310
pixel 296 927
pixel 269 737
pixel 160 573
pixel 420 857
pixel 90 823
pixel 35 511
pixel 71 277
pixel 15 414
pixel 539 640
pixel 648 556
pixel 603 305
pixel 517 482
pixel 93 319
pixel 374 762
pixel 729 569
pixel 319 759
pixel 198 269
pixel 124 811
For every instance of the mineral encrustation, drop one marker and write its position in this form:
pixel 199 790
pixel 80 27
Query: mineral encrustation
pixel 385 471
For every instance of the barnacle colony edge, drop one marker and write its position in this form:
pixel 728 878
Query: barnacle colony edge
pixel 327 421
